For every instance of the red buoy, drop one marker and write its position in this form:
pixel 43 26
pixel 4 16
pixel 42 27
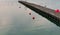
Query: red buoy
pixel 33 18
pixel 29 13
pixel 19 7
pixel 57 11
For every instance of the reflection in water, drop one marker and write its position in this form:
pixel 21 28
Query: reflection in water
pixel 15 21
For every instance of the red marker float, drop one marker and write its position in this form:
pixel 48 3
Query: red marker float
pixel 33 18
pixel 19 7
pixel 29 13
pixel 57 11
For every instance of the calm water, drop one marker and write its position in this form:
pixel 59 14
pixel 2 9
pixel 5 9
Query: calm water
pixel 17 21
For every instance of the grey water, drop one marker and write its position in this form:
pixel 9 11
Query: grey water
pixel 17 21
